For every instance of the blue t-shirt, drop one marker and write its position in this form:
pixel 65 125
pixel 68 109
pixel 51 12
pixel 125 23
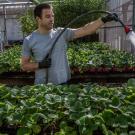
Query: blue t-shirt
pixel 38 45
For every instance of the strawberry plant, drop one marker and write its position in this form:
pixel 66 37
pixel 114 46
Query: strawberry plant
pixel 64 12
pixel 82 109
pixel 10 59
pixel 88 55
pixel 82 57
pixel 27 22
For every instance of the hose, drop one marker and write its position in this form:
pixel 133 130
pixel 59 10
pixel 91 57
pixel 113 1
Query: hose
pixel 71 22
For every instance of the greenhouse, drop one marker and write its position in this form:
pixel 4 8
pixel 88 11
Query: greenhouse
pixel 67 67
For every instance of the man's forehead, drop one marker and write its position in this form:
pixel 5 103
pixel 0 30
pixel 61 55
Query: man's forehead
pixel 47 11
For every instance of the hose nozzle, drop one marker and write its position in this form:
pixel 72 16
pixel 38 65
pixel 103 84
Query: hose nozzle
pixel 127 29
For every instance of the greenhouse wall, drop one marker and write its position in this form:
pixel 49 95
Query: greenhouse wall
pixel 9 22
pixel 10 27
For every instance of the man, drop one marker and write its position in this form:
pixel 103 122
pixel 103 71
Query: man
pixel 39 43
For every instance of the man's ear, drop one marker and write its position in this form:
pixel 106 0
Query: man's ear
pixel 38 19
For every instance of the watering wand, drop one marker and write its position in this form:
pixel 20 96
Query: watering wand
pixel 130 35
pixel 129 32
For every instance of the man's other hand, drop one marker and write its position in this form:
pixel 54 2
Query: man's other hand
pixel 46 63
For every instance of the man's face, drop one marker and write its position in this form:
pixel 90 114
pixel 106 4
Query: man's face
pixel 47 19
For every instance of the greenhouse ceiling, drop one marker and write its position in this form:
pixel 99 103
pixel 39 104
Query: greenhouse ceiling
pixel 13 1
pixel 23 1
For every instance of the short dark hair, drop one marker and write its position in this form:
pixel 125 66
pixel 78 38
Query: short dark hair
pixel 38 9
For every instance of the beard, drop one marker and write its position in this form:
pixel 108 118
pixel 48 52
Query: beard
pixel 48 26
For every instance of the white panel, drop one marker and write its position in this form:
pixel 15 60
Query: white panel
pixel 13 30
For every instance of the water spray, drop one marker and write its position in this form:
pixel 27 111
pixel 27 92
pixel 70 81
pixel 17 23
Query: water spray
pixel 129 33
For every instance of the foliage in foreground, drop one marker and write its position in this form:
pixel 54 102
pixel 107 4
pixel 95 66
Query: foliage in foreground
pixel 82 109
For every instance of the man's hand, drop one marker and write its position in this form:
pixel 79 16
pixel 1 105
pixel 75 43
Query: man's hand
pixel 46 63
pixel 110 17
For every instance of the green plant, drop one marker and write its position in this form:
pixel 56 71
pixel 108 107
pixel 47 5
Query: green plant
pixel 10 59
pixel 68 109
pixel 87 55
pixel 67 10
pixel 82 56
pixel 28 23
pixel 64 11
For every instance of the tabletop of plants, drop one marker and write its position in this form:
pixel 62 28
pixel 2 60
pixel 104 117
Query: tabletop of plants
pixel 83 57
pixel 81 109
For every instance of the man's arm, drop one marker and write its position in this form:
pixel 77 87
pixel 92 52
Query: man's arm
pixel 93 26
pixel 26 65
pixel 88 29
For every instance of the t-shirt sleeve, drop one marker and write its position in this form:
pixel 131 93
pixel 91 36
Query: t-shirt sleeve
pixel 26 51
pixel 68 34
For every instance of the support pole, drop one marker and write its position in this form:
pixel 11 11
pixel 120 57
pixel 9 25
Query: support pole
pixel 133 22
pixel 5 26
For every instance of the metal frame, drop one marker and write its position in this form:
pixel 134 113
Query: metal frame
pixel 133 23
pixel 4 10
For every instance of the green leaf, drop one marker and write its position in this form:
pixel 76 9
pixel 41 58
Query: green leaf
pixel 9 106
pixel 75 116
pixel 131 82
pixel 108 116
pixel 122 121
pixel 123 133
pixel 84 130
pixel 132 133
pixel 104 129
pixel 99 120
pixel 52 116
pixel 10 119
pixel 63 124
pixel 87 121
pixel 36 116
pixel 51 98
pixel 131 98
pixel 77 107
pixel 17 117
pixel 6 96
pixel 62 132
pixel 115 101
pixel 36 129
pixel 23 131
pixel 2 104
